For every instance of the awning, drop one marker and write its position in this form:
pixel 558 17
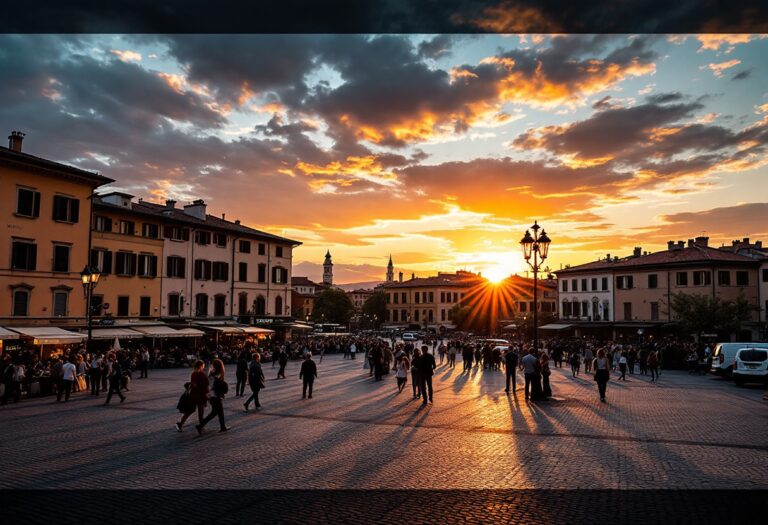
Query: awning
pixel 299 326
pixel 256 330
pixel 111 333
pixel 50 335
pixel 7 334
pixel 189 332
pixel 555 326
pixel 223 329
pixel 512 327
pixel 633 325
pixel 162 331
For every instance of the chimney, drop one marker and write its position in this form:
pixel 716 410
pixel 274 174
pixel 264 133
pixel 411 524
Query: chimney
pixel 670 245
pixel 196 209
pixel 691 243
pixel 223 216
pixel 237 221
pixel 401 277
pixel 14 140
pixel 638 251
pixel 745 240
pixel 413 276
pixel 680 245
pixel 170 204
pixel 702 241
pixel 759 245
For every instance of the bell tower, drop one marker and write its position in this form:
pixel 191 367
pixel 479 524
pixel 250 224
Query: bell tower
pixel 390 270
pixel 328 269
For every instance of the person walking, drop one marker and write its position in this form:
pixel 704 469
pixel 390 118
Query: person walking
pixel 352 352
pixel 241 374
pixel 546 390
pixel 403 365
pixel 426 366
pixel 415 377
pixel 653 365
pixel 623 366
pixel 588 358
pixel 186 406
pixel 9 373
pixel 68 376
pixel 255 381
pixel 95 371
pixel 530 372
pixel 451 355
pixel 198 394
pixel 219 388
pixel 510 365
pixel 115 379
pixel 575 359
pixel 602 368
pixel 308 373
pixel 377 358
pixel 56 375
pixel 282 360
pixel 144 363
pixel 466 355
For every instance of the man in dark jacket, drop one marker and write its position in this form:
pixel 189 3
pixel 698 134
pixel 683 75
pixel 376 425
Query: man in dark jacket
pixel 255 380
pixel 510 363
pixel 377 360
pixel 283 360
pixel 115 380
pixel 425 363
pixel 466 355
pixel 308 373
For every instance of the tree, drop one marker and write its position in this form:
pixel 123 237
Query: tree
pixel 334 306
pixel 703 313
pixel 376 305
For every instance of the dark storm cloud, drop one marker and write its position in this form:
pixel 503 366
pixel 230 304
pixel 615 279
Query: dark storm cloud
pixel 742 75
pixel 720 221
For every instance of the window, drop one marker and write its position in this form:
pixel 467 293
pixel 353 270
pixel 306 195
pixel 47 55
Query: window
pixel 23 255
pixel 175 266
pixel 456 297
pixel 416 298
pixel 203 238
pixel 278 251
pixel 242 303
pixel 450 314
pixel 147 265
pixel 742 279
pixel 127 227
pixel 396 297
pixel 566 309
pixel 594 284
pixel 416 316
pixel 394 316
pixel 724 278
pixel 27 202
pixel 97 304
pixel 220 240
pixel 442 314
pixel 278 305
pixel 150 231
pixel 145 306
pixel 220 271
pixel 122 305
pixel 102 223
pixel 262 273
pixel 20 302
pixel 176 233
pixel 245 246
pixel 653 280
pixel 65 209
pixel 702 278
pixel 219 305
pixel 260 305
pixel 565 285
pixel 523 306
pixel 61 257
pixel 442 298
pixel 575 285
pixel 203 270
pixel 654 311
pixel 60 303
pixel 242 272
pixel 575 308
pixel 404 297
pixel 624 282
pixel 279 275
pixel 627 311
pixel 201 305
pixel 431 297
pixel 262 248
pixel 765 275
pixel 125 263
pixel 174 304
pixel 604 284
pixel 430 316
pixel 583 285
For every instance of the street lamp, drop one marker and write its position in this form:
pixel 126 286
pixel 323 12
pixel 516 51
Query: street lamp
pixel 90 278
pixel 537 247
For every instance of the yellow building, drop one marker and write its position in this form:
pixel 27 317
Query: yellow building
pixel 127 248
pixel 44 242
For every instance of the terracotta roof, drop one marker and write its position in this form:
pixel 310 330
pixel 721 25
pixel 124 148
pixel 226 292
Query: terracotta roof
pixel 443 279
pixel 303 281
pixel 54 168
pixel 212 222
pixel 680 256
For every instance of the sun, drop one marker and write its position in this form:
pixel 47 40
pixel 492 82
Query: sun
pixel 496 274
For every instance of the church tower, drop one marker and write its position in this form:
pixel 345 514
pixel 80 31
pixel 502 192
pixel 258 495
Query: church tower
pixel 390 270
pixel 328 270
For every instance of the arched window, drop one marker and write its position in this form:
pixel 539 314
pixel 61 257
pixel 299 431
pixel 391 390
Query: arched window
pixel 279 305
pixel 201 305
pixel 260 305
pixel 242 303
pixel 219 305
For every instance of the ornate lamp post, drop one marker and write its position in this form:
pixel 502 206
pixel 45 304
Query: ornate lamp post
pixel 537 247
pixel 90 278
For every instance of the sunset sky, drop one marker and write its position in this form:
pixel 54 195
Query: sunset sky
pixel 439 150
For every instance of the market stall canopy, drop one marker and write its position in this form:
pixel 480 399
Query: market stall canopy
pixel 256 330
pixel 163 331
pixel 511 327
pixel 555 326
pixel 111 333
pixel 299 326
pixel 49 335
pixel 7 334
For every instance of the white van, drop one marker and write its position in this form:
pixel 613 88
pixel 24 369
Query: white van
pixel 750 366
pixel 725 354
pixel 409 336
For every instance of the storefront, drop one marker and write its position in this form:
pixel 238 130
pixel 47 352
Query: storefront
pixel 50 341
pixel 232 334
pixel 10 341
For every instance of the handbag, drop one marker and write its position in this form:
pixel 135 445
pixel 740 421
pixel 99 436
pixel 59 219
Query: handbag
pixel 81 383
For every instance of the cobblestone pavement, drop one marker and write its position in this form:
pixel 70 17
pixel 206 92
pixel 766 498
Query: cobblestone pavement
pixel 684 432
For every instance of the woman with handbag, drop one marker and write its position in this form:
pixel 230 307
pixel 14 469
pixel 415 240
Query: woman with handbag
pixel 198 392
pixel 602 368
pixel 402 373
pixel 219 389
pixel 546 391
pixel 186 405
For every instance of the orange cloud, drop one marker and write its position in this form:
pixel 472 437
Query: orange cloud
pixel 715 42
pixel 509 17
pixel 718 69
pixel 345 173
pixel 127 55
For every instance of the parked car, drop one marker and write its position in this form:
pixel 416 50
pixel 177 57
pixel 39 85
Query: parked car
pixel 725 354
pixel 408 336
pixel 750 366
